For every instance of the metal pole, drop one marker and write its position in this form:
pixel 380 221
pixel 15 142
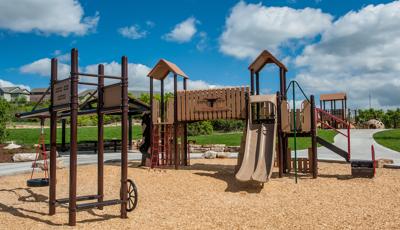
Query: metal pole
pixel 285 139
pixel 73 138
pixel 314 138
pixel 53 141
pixel 176 121
pixel 100 135
pixel 185 140
pixel 124 136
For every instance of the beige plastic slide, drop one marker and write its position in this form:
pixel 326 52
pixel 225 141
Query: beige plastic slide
pixel 259 150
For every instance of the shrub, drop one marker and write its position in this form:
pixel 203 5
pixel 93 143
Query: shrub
pixel 5 117
pixel 227 125
pixel 200 128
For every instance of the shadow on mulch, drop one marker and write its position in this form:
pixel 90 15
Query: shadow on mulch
pixel 39 198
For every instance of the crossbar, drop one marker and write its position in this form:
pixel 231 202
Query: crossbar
pixel 79 198
pixel 96 75
pixel 98 204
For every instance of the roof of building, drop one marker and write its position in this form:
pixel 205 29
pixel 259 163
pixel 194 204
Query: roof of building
pixel 332 96
pixel 39 90
pixel 163 68
pixel 264 58
pixel 14 89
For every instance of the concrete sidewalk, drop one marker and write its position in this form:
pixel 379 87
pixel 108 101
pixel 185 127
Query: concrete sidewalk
pixel 361 141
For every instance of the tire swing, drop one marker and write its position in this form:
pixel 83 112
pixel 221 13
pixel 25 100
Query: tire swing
pixel 40 150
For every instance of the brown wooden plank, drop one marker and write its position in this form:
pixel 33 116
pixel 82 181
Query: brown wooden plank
pixel 229 103
pixel 179 106
pixel 187 108
pixel 196 112
pixel 238 105
pixel 242 103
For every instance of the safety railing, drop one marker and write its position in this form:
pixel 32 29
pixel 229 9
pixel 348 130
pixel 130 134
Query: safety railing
pixel 338 120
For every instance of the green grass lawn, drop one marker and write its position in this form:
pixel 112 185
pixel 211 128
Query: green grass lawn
pixel 389 139
pixel 31 136
pixel 234 139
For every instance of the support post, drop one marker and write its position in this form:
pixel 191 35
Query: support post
pixel 185 140
pixel 63 130
pixel 151 112
pixel 280 146
pixel 100 135
pixel 251 82
pixel 314 138
pixel 162 127
pixel 284 138
pixel 176 155
pixel 124 136
pixel 73 138
pixel 53 141
pixel 258 93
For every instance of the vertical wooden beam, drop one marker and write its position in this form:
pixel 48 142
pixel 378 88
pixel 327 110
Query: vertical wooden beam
pixel 251 82
pixel 100 135
pixel 124 136
pixel 314 139
pixel 284 138
pixel 53 141
pixel 63 131
pixel 280 144
pixel 176 155
pixel 162 112
pixel 258 93
pixel 185 140
pixel 73 137
pixel 151 111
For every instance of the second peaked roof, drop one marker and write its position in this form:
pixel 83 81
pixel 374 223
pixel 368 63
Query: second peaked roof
pixel 163 68
pixel 264 58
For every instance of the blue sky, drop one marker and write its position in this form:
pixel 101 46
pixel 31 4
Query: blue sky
pixel 326 45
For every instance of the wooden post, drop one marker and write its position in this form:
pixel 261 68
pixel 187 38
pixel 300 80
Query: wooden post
pixel 251 82
pixel 73 137
pixel 151 112
pixel 314 165
pixel 258 93
pixel 100 135
pixel 185 140
pixel 63 129
pixel 284 138
pixel 162 127
pixel 176 121
pixel 124 136
pixel 280 147
pixel 53 141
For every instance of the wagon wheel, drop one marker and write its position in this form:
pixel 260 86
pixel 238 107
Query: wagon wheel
pixel 132 196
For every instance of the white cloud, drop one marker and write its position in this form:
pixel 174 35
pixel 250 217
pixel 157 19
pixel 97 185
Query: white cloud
pixel 63 17
pixel 150 24
pixel 42 67
pixel 251 28
pixel 203 42
pixel 132 32
pixel 183 32
pixel 358 55
pixel 137 74
pixel 4 83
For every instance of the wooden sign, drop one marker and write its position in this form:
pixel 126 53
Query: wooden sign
pixel 62 92
pixel 112 95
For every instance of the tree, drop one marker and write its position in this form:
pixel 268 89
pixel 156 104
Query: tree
pixel 5 117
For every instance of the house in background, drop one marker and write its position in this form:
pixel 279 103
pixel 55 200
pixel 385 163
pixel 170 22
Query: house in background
pixel 14 93
pixel 37 93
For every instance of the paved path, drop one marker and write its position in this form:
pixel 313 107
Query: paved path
pixel 361 141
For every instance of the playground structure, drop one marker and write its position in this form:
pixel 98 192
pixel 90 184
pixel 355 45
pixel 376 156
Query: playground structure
pixel 111 98
pixel 326 121
pixel 266 116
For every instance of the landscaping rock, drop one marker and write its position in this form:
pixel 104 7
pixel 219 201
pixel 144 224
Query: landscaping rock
pixel 210 154
pixel 222 155
pixel 23 157
pixel 382 162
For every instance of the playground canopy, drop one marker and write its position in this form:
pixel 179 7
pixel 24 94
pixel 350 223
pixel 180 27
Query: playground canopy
pixel 163 68
pixel 264 58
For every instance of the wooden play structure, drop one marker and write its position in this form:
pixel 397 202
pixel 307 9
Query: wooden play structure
pixel 328 104
pixel 111 99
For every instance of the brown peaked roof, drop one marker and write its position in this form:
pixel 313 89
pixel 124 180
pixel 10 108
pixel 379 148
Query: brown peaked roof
pixel 332 96
pixel 163 68
pixel 264 58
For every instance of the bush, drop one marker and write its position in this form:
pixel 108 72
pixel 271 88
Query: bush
pixel 5 117
pixel 200 128
pixel 227 125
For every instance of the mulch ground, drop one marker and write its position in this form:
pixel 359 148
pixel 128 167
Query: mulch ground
pixel 207 196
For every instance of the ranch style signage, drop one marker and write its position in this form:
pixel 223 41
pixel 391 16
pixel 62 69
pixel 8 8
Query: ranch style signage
pixel 62 92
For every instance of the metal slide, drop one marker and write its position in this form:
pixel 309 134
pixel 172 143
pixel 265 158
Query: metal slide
pixel 259 149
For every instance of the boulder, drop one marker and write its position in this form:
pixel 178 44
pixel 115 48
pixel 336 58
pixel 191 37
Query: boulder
pixel 23 157
pixel 382 162
pixel 210 154
pixel 222 155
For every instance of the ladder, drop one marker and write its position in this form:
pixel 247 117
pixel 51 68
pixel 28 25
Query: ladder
pixel 160 149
